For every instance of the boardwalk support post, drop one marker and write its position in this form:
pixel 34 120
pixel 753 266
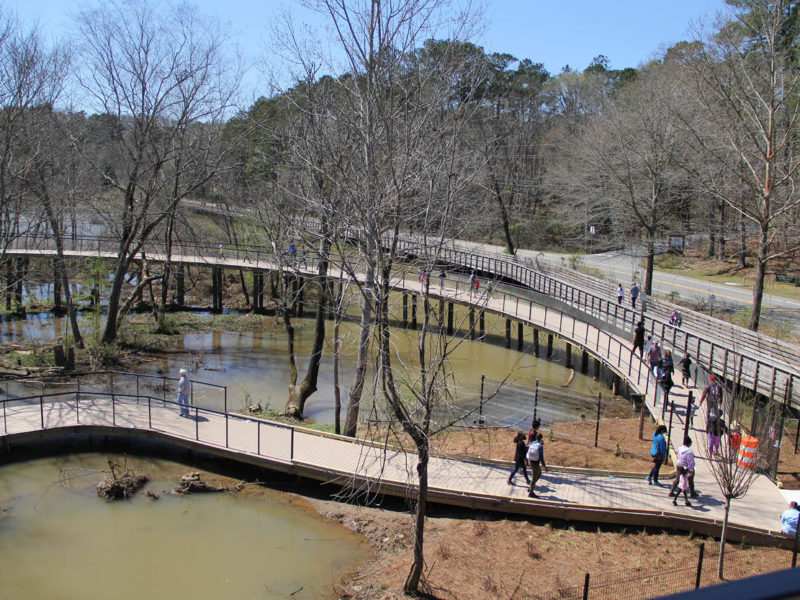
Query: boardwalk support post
pixel 449 318
pixel 519 336
pixel 480 408
pixel 597 425
pixel 586 587
pixel 568 360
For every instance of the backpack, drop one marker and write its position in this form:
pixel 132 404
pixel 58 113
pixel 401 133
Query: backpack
pixel 534 451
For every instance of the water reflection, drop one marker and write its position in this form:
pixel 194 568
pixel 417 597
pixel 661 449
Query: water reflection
pixel 62 541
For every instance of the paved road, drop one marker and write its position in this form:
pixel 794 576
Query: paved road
pixel 624 266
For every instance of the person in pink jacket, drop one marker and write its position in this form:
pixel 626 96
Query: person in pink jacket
pixel 684 480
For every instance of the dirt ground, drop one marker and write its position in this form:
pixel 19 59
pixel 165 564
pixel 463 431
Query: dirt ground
pixel 477 556
pixel 483 555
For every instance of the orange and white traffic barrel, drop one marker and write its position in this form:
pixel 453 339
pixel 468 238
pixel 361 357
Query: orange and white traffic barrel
pixel 747 452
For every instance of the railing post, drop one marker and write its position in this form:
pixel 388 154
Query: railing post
pixel 196 424
pixel 536 399
pixel 291 445
pixel 149 412
pixel 41 408
pixel 671 414
pixel 586 587
pixel 688 421
pixel 5 417
pixel 113 410
pixel 77 408
pixel 226 429
pixel 225 392
pixel 258 438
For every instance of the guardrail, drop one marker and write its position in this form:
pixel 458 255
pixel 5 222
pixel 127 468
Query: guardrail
pixel 746 358
pixel 116 382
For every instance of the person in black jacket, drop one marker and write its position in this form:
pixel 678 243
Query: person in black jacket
pixel 638 339
pixel 519 458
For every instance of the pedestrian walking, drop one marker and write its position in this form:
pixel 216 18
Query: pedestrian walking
pixel 714 428
pixel 533 432
pixel 686 370
pixel 292 251
pixel 520 450
pixel 620 293
pixel 789 519
pixel 665 382
pixel 420 274
pixel 685 468
pixel 634 294
pixel 221 251
pixel 638 339
pixel 713 393
pixel 648 344
pixel 535 456
pixel 654 358
pixel 477 285
pixel 183 393
pixel 442 277
pixel 658 453
pixel 246 255
pixel 471 282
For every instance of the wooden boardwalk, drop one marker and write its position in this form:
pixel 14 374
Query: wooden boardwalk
pixel 564 493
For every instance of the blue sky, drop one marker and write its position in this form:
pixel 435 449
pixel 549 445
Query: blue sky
pixel 553 32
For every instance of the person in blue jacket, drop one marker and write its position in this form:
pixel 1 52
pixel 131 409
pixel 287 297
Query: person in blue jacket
pixel 658 452
pixel 789 519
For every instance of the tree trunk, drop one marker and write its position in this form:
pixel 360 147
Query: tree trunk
pixel 411 585
pixel 365 329
pixel 114 298
pixel 498 195
pixel 711 230
pixel 648 271
pixel 721 225
pixel 337 392
pixel 761 271
pixel 298 395
pixel 742 242
pixel 721 563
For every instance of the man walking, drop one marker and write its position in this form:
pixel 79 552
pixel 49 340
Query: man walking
pixel 634 294
pixel 183 393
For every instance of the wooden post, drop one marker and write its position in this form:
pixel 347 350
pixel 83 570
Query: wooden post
pixel 535 342
pixel 449 318
pixel 549 345
pixel 568 361
pixel 584 362
pixel 520 339
pixel 413 311
pixel 405 309
pixel 471 323
pixel 508 333
pixel 482 325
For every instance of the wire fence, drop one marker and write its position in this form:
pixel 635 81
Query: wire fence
pixel 700 571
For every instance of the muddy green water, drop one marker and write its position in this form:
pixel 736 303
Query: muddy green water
pixel 254 367
pixel 58 539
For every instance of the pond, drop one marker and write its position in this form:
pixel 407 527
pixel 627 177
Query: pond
pixel 253 366
pixel 60 540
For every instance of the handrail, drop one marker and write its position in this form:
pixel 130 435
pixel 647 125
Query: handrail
pixel 752 360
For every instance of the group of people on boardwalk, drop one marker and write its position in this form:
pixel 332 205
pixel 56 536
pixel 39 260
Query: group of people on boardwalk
pixel 527 453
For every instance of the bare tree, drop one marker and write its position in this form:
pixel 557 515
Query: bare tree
pixel 163 78
pixel 744 119
pixel 737 455
pixel 630 158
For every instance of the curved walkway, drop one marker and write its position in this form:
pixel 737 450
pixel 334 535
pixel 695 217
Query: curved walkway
pixel 473 485
pixel 564 494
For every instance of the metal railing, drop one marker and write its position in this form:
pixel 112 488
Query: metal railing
pixel 114 382
pixel 748 359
